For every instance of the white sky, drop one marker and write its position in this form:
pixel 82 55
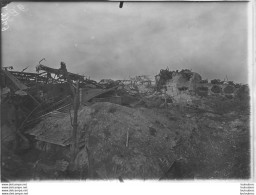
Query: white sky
pixel 101 40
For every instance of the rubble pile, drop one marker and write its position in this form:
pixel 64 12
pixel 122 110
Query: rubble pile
pixel 126 142
pixel 117 141
pixel 144 127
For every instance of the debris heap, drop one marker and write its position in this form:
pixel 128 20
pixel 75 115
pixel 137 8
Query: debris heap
pixel 118 141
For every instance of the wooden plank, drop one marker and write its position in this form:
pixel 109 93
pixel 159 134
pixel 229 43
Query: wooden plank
pixel 14 80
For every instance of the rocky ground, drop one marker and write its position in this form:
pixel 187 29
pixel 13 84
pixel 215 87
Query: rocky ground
pixel 210 140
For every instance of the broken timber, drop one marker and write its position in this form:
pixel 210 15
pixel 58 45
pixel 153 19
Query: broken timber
pixel 59 72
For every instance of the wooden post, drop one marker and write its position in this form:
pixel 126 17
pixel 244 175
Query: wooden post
pixel 75 124
pixel 75 95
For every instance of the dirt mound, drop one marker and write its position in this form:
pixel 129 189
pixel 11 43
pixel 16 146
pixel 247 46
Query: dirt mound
pixel 117 141
pixel 126 142
pixel 178 142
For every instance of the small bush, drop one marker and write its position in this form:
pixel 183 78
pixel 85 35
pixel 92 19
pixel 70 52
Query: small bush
pixel 231 83
pixel 202 91
pixel 216 89
pixel 229 89
pixel 186 74
pixel 215 81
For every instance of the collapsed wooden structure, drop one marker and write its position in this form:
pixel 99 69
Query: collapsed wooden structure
pixel 48 92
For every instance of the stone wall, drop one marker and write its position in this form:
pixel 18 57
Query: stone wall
pixel 181 89
pixel 184 90
pixel 219 89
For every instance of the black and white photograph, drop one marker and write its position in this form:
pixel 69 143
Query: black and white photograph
pixel 125 91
